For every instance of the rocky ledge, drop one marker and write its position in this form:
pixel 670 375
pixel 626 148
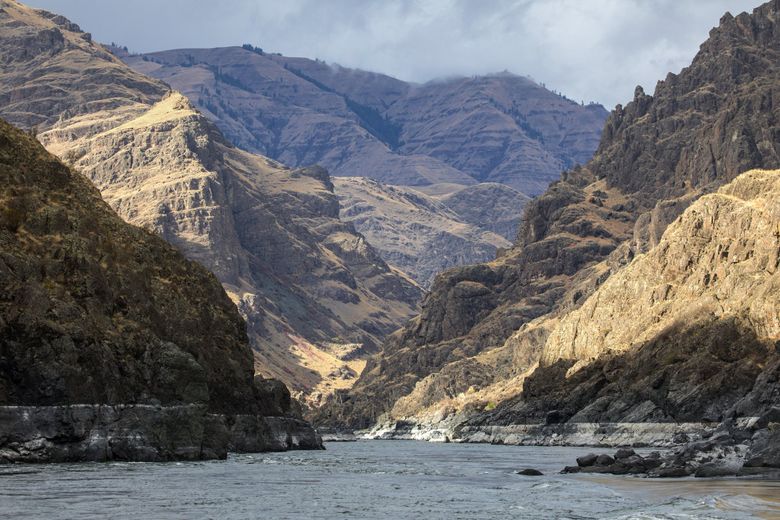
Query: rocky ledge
pixel 334 435
pixel 658 435
pixel 141 433
pixel 745 447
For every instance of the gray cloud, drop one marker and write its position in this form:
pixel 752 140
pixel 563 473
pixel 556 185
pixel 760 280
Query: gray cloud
pixel 587 49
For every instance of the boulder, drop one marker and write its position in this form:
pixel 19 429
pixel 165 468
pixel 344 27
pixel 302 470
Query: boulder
pixel 529 472
pixel 587 460
pixel 624 453
pixel 604 460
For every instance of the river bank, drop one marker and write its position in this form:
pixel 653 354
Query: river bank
pixel 748 446
pixel 658 435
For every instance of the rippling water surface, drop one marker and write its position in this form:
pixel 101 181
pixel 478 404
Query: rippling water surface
pixel 371 480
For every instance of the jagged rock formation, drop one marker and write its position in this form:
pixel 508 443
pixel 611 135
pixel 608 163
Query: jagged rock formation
pixel 683 333
pixel 422 235
pixel 498 128
pixel 316 296
pixel 113 346
pixel 485 326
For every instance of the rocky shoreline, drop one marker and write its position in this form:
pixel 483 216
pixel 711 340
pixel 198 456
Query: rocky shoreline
pixel 658 435
pixel 142 433
pixel 747 446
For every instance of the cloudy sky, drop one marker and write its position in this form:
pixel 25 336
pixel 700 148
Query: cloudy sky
pixel 587 49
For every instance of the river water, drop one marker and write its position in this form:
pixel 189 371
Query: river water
pixel 371 480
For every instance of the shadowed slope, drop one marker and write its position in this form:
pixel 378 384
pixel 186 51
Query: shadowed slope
pixel 113 345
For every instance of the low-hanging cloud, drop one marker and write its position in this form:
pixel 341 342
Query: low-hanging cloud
pixel 590 50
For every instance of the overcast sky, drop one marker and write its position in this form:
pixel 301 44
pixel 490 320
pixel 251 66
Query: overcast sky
pixel 587 49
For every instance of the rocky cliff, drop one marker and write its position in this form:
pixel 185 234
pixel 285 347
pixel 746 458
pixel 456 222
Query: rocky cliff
pixel 486 325
pixel 317 298
pixel 112 345
pixel 685 332
pixel 498 128
pixel 424 234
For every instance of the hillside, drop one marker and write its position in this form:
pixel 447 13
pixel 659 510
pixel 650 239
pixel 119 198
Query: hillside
pixel 317 298
pixel 113 345
pixel 482 328
pixel 489 205
pixel 422 235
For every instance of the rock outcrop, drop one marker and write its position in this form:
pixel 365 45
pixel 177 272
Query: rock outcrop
pixel 498 128
pixel 422 235
pixel 747 447
pixel 685 332
pixel 112 344
pixel 316 296
pixel 485 326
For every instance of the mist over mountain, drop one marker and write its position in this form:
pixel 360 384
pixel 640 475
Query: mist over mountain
pixel 591 51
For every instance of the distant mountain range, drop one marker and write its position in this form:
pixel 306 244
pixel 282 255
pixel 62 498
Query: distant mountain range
pixel 437 138
pixel 499 128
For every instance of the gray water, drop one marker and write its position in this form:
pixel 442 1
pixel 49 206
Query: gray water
pixel 371 480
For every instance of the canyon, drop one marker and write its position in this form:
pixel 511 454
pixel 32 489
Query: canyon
pixel 403 259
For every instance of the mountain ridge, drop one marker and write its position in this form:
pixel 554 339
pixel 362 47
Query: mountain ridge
pixel 290 108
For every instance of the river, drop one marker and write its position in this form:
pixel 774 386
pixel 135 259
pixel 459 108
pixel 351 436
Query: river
pixel 371 480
